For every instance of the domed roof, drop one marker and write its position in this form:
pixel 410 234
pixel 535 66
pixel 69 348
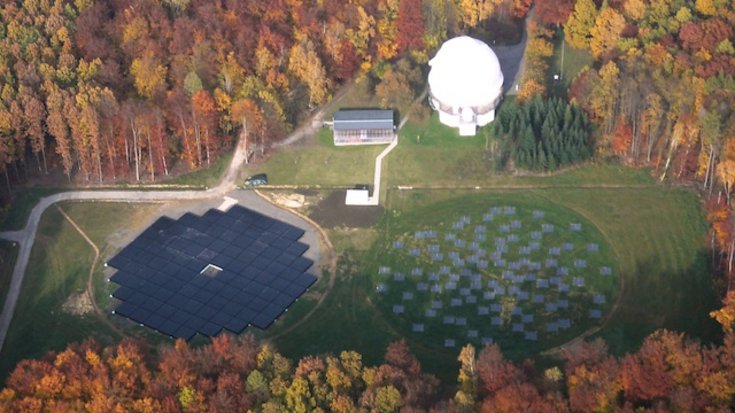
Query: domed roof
pixel 464 73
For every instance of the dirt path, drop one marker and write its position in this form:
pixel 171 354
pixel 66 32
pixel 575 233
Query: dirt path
pixel 89 291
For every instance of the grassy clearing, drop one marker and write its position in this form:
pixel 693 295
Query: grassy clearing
pixel 321 163
pixel 358 95
pixel 659 237
pixel 527 241
pixel 8 254
pixel 655 233
pixel 58 268
pixel 573 62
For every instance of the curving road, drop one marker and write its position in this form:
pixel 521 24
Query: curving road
pixel 26 237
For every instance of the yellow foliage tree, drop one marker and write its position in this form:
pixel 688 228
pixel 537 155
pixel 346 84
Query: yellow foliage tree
pixel 149 76
pixel 605 34
pixel 579 24
pixel 475 11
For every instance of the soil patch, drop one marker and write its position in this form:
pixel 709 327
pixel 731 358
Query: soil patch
pixel 332 212
pixel 78 304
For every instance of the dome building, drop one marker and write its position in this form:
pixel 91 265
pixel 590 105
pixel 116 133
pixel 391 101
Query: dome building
pixel 465 84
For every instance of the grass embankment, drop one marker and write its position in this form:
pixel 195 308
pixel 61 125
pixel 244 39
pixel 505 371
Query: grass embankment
pixel 57 270
pixel 202 178
pixel 656 233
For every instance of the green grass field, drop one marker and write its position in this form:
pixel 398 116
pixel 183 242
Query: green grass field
pixel 480 243
pixel 655 233
pixel 320 163
pixel 8 254
pixel 58 268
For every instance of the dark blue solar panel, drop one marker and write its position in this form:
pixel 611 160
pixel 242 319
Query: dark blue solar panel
pixel 276 268
pixel 185 332
pixel 203 296
pixel 222 261
pixel 218 302
pixel 161 284
pixel 297 248
pixel 237 325
pixel 188 219
pixel 196 322
pixel 210 329
pixel 206 312
pixel 214 286
pixel 268 294
pixel 155 321
pixel 281 243
pixel 169 327
pixel 232 251
pixel 232 308
pixel 280 284
pixel 152 304
pixel 247 257
pixel 301 264
pixel 261 263
pixel 262 321
pixel 293 234
pixel 305 280
pixel 123 293
pixel 166 310
pixel 125 309
pixel 220 318
pixel 257 304
pixel 228 292
pixel 140 315
pixel 192 306
pixel 283 300
pixel 271 254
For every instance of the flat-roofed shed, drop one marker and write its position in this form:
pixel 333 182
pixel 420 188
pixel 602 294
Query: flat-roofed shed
pixel 363 127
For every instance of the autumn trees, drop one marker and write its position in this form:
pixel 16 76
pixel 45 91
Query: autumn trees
pixel 133 89
pixel 225 376
pixel 669 372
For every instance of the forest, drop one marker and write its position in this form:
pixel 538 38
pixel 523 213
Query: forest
pixel 661 91
pixel 131 90
pixel 668 373
pixel 543 134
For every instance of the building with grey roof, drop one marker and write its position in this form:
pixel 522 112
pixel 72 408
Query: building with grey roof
pixel 363 127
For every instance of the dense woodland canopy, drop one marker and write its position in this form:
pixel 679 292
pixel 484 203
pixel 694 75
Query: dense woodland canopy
pixel 543 134
pixel 668 373
pixel 130 89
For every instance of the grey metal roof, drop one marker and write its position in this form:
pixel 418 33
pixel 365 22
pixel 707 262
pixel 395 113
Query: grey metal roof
pixel 352 119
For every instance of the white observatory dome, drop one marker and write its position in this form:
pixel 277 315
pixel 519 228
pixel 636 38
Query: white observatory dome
pixel 466 83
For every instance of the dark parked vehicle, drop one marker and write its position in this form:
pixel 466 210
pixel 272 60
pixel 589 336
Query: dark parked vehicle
pixel 256 180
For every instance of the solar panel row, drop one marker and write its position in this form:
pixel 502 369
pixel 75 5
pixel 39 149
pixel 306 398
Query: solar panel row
pixel 259 273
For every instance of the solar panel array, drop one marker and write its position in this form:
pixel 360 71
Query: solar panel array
pixel 507 273
pixel 203 274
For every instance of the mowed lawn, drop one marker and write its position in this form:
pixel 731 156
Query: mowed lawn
pixel 657 234
pixel 317 162
pixel 58 268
